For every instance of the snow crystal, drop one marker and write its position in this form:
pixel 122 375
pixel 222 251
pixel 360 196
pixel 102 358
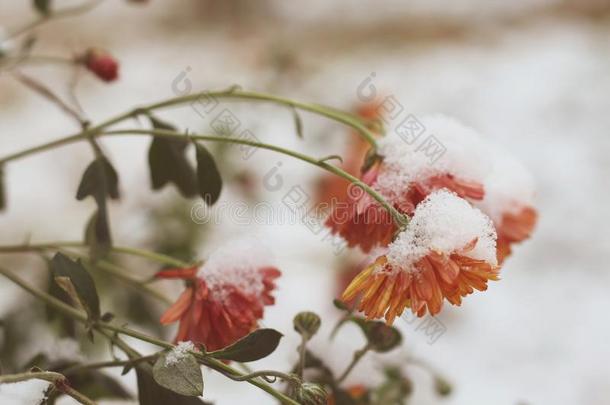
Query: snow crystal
pixel 179 352
pixel 508 188
pixel 236 263
pixel 445 223
pixel 30 392
pixel 465 156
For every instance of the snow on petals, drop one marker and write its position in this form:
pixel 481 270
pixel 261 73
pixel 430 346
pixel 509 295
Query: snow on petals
pixel 225 298
pixel 509 201
pixel 447 251
pixel 407 175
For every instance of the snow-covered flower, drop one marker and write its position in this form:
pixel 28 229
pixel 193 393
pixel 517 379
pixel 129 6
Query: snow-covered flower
pixel 407 175
pixel 447 251
pixel 509 201
pixel 225 298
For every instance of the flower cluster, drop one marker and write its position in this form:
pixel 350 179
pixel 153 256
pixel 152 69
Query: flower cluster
pixel 224 299
pixel 466 209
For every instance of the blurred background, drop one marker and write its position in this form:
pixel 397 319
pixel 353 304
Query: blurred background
pixel 531 74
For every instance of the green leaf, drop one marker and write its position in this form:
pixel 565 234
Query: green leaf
pixel 168 163
pixel 100 180
pixel 72 277
pixel 43 6
pixel 183 375
pixel 67 324
pixel 97 234
pixel 257 345
pixel 151 393
pixel 2 190
pixel 208 176
pixel 298 123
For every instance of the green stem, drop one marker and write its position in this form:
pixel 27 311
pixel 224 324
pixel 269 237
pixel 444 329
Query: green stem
pixel 302 354
pixel 400 219
pixel 268 375
pixel 328 112
pixel 104 364
pixel 121 274
pixel 357 356
pixel 58 380
pixel 105 266
pixel 215 364
pixel 156 257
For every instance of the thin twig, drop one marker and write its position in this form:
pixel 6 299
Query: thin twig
pixel 59 381
pixel 56 14
pixel 47 93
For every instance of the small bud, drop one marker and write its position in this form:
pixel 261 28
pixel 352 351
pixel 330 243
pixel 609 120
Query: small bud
pixel 382 338
pixel 442 386
pixel 101 63
pixel 307 324
pixel 311 394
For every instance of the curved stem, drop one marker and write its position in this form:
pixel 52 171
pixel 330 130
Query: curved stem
pixel 328 112
pixel 108 267
pixel 400 219
pixel 104 328
pixel 357 356
pixel 268 375
pixel 156 257
pixel 121 274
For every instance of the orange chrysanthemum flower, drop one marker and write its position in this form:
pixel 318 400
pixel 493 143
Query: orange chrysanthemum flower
pixel 515 228
pixel 331 188
pixel 447 252
pixel 509 202
pixel 223 301
pixel 406 176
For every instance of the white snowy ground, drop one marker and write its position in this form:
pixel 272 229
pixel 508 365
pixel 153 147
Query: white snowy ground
pixel 540 88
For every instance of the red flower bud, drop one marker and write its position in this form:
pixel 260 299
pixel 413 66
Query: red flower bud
pixel 102 64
